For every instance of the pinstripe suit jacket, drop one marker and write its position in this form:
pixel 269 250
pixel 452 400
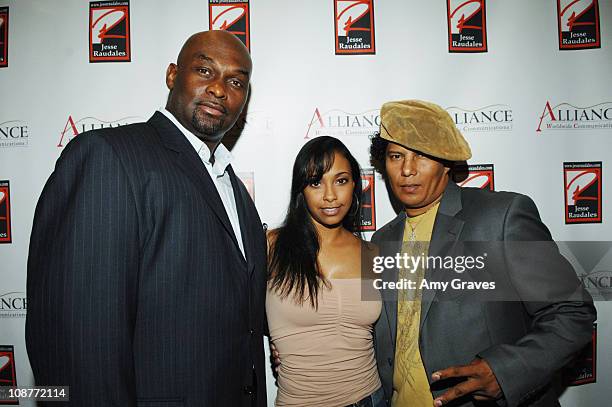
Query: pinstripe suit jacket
pixel 138 293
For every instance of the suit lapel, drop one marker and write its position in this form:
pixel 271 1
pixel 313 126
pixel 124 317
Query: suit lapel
pixel 394 237
pixel 242 198
pixel 191 165
pixel 446 230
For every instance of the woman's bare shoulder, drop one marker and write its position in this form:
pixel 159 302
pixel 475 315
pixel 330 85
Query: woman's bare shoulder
pixel 369 248
pixel 369 252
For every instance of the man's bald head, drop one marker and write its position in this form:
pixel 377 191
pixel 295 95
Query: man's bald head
pixel 209 84
pixel 219 37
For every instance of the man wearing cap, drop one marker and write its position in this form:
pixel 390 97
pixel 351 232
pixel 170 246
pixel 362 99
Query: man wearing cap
pixel 437 347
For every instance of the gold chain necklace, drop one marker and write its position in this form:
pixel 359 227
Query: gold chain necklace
pixel 412 236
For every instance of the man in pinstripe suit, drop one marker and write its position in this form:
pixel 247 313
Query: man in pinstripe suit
pixel 146 272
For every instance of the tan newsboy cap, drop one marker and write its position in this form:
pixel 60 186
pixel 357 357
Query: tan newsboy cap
pixel 424 127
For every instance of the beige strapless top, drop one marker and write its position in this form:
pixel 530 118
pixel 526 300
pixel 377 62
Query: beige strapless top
pixel 327 355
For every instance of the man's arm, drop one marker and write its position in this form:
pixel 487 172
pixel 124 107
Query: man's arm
pixel 562 316
pixel 82 277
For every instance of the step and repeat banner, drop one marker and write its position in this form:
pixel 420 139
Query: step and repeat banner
pixel 527 82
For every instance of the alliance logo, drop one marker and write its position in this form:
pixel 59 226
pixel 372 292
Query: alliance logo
pixel 497 117
pixel 479 176
pixel 13 304
pixel 583 369
pixel 467 28
pixel 4 32
pixel 109 31
pixel 578 23
pixel 14 133
pixel 368 200
pixel 592 261
pixel 258 123
pixel 232 16
pixel 566 116
pixel 582 182
pixel 74 128
pixel 354 27
pixel 5 212
pixel 338 123
pixel 248 179
pixel 8 377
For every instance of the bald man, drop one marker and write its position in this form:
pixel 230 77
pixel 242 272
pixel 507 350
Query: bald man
pixel 146 271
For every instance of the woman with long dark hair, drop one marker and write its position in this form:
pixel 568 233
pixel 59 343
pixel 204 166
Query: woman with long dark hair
pixel 319 319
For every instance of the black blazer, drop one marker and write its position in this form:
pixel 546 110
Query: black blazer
pixel 138 294
pixel 539 319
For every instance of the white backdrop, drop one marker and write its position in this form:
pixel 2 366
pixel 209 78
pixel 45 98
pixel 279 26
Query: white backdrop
pixel 296 75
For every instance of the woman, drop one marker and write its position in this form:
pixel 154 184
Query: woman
pixel 318 322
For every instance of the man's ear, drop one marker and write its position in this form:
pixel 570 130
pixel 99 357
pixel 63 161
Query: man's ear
pixel 449 172
pixel 171 75
pixel 449 166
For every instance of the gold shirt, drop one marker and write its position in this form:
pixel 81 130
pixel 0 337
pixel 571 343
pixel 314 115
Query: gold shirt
pixel 410 384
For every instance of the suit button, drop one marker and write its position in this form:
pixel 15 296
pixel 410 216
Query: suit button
pixel 248 390
pixel 390 361
pixel 251 331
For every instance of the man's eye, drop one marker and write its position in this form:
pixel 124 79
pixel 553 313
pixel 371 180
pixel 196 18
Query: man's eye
pixel 204 71
pixel 394 156
pixel 236 83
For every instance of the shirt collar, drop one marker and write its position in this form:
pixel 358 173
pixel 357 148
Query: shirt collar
pixel 223 157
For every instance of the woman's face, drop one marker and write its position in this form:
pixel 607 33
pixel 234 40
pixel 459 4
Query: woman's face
pixel 329 200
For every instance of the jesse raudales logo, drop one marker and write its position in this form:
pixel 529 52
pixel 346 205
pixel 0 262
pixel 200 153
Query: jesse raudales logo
pixel 578 22
pixel 8 377
pixel 339 123
pixel 368 200
pixel 14 133
pixel 565 116
pixel 479 176
pixel 467 28
pixel 73 128
pixel 592 261
pixel 13 304
pixel 5 212
pixel 4 32
pixel 582 182
pixel 232 16
pixel 109 31
pixel 491 118
pixel 354 26
pixel 583 369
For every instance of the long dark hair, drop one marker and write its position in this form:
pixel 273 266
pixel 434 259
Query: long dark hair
pixel 294 269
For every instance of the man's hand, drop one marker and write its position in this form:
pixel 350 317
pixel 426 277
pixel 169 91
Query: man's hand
pixel 274 358
pixel 481 382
